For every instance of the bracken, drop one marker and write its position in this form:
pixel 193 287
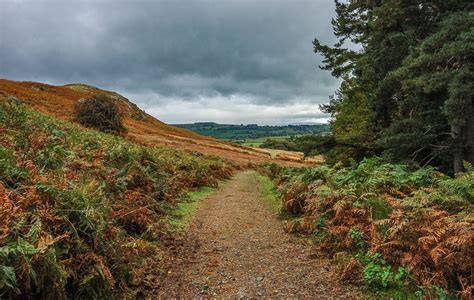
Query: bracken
pixel 83 213
pixel 420 220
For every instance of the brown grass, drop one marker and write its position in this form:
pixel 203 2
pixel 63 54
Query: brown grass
pixel 60 101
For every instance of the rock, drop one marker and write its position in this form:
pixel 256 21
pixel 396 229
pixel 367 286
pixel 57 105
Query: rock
pixel 241 294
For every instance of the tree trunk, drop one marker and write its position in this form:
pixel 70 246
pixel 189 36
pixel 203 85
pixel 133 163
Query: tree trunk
pixel 469 138
pixel 458 161
pixel 458 149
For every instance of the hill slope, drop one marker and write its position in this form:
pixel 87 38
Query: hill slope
pixel 59 101
pixel 83 214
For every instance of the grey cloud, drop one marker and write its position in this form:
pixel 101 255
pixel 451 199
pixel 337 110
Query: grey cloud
pixel 189 50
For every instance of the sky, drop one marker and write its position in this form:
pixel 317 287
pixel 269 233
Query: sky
pixel 182 61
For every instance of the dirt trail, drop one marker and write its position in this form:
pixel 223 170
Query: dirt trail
pixel 238 249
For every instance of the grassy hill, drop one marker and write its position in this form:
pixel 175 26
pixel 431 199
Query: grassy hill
pixel 60 102
pixel 85 214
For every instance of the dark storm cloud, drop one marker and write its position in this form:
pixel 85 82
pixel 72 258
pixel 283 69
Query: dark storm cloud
pixel 198 51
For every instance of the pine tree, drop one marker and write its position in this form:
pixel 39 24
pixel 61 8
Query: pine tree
pixel 382 106
pixel 437 86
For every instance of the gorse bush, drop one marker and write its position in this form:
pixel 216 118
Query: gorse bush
pixel 100 112
pixel 82 213
pixel 395 221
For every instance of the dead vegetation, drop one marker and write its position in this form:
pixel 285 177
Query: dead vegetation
pixel 82 213
pixel 406 230
pixel 61 101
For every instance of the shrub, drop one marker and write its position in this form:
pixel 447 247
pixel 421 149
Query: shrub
pixel 100 112
pixel 286 145
pixel 377 273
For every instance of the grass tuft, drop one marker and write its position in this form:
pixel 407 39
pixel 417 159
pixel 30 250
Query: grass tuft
pixel 269 192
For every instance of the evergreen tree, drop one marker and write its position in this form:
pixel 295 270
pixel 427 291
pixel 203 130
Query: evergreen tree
pixel 437 86
pixel 381 107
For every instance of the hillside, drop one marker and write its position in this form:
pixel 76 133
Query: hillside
pixel 60 101
pixel 93 216
pixel 87 215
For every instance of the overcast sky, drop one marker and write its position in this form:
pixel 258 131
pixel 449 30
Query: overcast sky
pixel 241 61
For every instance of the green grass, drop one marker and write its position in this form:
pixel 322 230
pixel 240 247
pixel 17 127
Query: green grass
pixel 183 213
pixel 267 188
pixel 252 144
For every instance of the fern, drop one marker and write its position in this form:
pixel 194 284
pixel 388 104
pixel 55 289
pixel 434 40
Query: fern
pixel 10 172
pixel 419 220
pixel 72 199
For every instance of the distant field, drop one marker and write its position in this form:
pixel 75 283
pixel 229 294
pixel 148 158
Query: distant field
pixel 253 135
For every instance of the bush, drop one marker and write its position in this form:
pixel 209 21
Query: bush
pixel 286 145
pixel 377 273
pixel 100 112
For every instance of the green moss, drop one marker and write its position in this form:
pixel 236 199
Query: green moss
pixel 269 193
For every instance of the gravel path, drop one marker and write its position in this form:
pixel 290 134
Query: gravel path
pixel 236 248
